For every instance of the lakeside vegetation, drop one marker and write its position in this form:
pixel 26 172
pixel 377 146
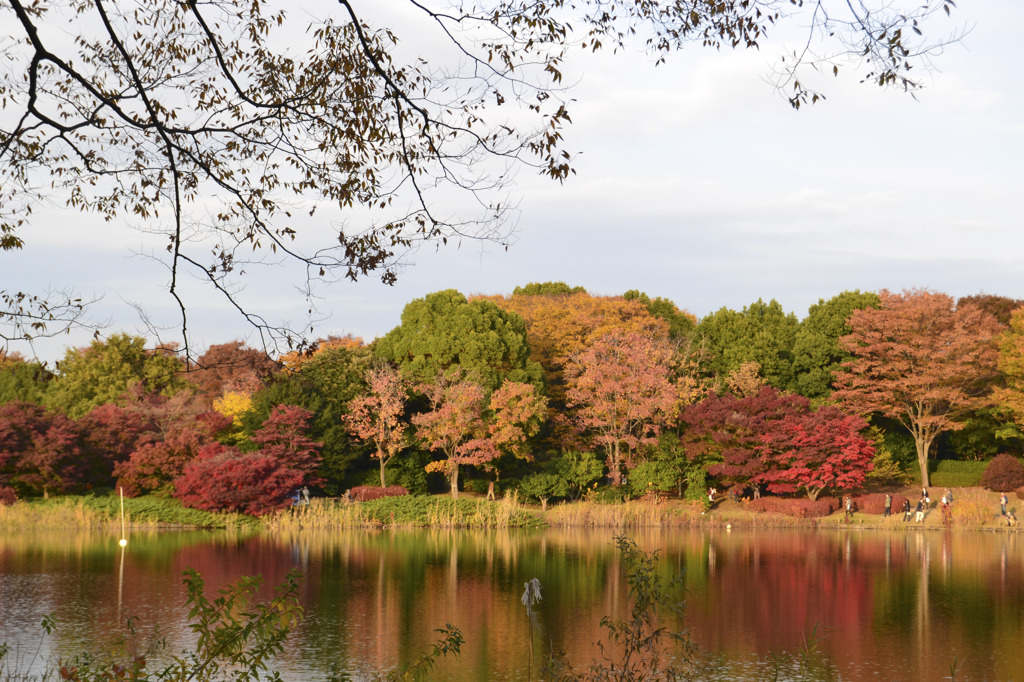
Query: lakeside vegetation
pixel 973 508
pixel 549 395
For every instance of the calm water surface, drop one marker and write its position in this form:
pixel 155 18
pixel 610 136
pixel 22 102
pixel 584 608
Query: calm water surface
pixel 876 605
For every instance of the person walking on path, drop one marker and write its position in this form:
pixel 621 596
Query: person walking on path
pixel 949 496
pixel 849 508
pixel 1002 504
pixel 305 495
pixel 919 511
pixel 888 505
pixel 906 509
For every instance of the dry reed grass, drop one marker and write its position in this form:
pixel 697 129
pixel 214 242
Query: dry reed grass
pixel 61 514
pixel 402 513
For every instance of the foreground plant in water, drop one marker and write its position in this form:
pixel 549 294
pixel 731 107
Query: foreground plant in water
pixel 649 651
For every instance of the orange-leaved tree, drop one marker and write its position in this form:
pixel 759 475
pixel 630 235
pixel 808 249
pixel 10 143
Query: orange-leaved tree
pixel 455 426
pixel 919 359
pixel 378 415
pixel 620 391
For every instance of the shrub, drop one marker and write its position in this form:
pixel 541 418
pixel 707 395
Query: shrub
pixel 658 477
pixel 543 486
pixel 949 473
pixel 475 485
pixel 580 470
pixel 875 503
pixel 798 507
pixel 7 495
pixel 1004 472
pixel 1020 493
pixel 697 485
pixel 365 493
pixel 223 479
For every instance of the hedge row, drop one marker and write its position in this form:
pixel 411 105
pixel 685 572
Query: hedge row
pixel 949 473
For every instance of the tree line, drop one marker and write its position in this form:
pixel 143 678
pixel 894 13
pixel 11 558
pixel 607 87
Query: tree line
pixel 551 390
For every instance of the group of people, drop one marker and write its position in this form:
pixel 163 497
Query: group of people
pixel 921 509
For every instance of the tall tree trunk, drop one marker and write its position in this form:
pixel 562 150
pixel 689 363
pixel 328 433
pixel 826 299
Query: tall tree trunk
pixel 380 456
pixel 923 445
pixel 453 480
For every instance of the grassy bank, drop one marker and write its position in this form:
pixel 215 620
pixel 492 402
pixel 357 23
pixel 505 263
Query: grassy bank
pixel 104 511
pixel 975 508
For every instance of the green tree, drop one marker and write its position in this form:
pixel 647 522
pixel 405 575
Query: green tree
pixel 579 470
pixel 23 381
pixel 547 289
pixel 761 332
pixel 680 323
pixel 105 370
pixel 543 486
pixel 443 331
pixel 325 384
pixel 817 355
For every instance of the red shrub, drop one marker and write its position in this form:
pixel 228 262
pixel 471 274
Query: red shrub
pixel 875 503
pixel 1004 472
pixel 7 496
pixel 364 493
pixel 223 479
pixel 798 507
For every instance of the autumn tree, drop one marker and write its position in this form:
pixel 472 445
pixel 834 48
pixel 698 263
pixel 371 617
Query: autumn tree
pixel 815 451
pixel 378 415
pixel 921 360
pixel 224 133
pixel 182 428
pixel 455 427
pixel 620 394
pixel 231 366
pixel 515 414
pixel 723 433
pixel 40 451
pixel 444 331
pixel 563 321
pixel 325 384
pixel 222 478
pixel 110 434
pixel 1010 396
pixel 104 371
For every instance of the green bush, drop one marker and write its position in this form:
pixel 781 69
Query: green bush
pixel 697 485
pixel 654 476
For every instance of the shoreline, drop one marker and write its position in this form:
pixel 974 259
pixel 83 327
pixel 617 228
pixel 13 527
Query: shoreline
pixel 974 509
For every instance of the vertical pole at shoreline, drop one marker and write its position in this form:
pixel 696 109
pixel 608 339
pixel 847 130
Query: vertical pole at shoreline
pixel 124 540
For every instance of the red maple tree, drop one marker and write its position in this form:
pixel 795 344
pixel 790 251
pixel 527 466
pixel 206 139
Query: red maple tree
pixel 816 451
pixel 921 360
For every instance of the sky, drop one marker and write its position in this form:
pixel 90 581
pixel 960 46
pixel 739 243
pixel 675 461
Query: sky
pixel 695 181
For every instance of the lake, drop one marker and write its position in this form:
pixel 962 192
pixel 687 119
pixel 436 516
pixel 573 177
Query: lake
pixel 869 605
